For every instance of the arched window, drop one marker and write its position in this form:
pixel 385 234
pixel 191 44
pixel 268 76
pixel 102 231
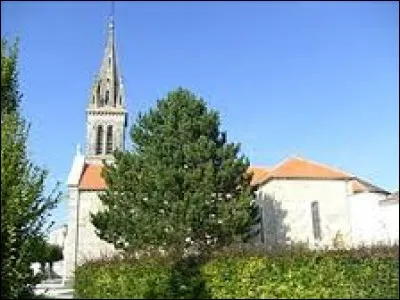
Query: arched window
pixel 109 145
pixel 316 221
pixel 99 140
pixel 107 97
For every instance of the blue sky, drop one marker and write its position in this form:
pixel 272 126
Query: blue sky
pixel 315 79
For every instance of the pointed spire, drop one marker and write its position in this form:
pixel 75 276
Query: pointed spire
pixel 107 91
pixel 106 113
pixel 78 150
pixel 110 47
pixel 111 24
pixel 111 30
pixel 112 14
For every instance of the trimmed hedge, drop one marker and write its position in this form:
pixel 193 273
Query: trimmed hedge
pixel 244 273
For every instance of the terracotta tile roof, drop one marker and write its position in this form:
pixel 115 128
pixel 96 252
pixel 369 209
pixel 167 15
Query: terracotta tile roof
pixel 91 178
pixel 358 187
pixel 292 167
pixel 296 167
pixel 259 174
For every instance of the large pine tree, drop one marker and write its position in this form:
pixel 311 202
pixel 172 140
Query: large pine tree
pixel 183 183
pixel 24 207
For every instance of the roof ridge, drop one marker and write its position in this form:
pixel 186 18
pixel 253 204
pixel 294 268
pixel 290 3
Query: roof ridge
pixel 280 163
pixel 260 167
pixel 360 180
pixel 325 166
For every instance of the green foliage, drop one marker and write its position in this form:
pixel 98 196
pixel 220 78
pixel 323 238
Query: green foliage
pixel 44 252
pixel 292 274
pixel 10 96
pixel 54 253
pixel 246 273
pixel 183 184
pixel 40 250
pixel 24 207
pixel 122 279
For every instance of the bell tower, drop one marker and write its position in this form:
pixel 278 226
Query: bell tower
pixel 106 116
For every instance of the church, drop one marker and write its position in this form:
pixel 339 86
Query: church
pixel 301 200
pixel 106 122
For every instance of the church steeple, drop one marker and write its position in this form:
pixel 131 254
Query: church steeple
pixel 106 114
pixel 108 88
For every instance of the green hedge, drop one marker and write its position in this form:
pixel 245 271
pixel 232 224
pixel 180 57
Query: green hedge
pixel 238 273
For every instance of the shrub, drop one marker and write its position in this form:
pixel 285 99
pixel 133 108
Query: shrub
pixel 243 272
pixel 117 278
pixel 302 277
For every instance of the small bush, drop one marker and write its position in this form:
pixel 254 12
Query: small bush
pixel 243 272
pixel 122 278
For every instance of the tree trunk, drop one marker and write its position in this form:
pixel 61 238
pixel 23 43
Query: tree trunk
pixel 51 269
pixel 42 267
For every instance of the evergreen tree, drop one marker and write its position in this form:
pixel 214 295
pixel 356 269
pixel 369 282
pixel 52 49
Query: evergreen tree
pixel 24 207
pixel 182 184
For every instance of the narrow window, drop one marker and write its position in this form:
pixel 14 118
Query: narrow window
pixel 98 95
pixel 99 140
pixel 109 147
pixel 316 221
pixel 262 231
pixel 93 99
pixel 115 97
pixel 107 97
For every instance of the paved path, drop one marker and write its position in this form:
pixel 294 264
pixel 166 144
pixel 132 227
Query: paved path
pixel 55 289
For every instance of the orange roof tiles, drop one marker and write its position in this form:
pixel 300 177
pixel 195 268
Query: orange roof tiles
pixel 292 167
pixel 358 187
pixel 295 167
pixel 91 178
pixel 259 174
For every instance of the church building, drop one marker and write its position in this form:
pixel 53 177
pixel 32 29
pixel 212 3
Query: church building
pixel 300 200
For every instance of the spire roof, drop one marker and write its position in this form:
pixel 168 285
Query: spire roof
pixel 109 64
pixel 108 90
